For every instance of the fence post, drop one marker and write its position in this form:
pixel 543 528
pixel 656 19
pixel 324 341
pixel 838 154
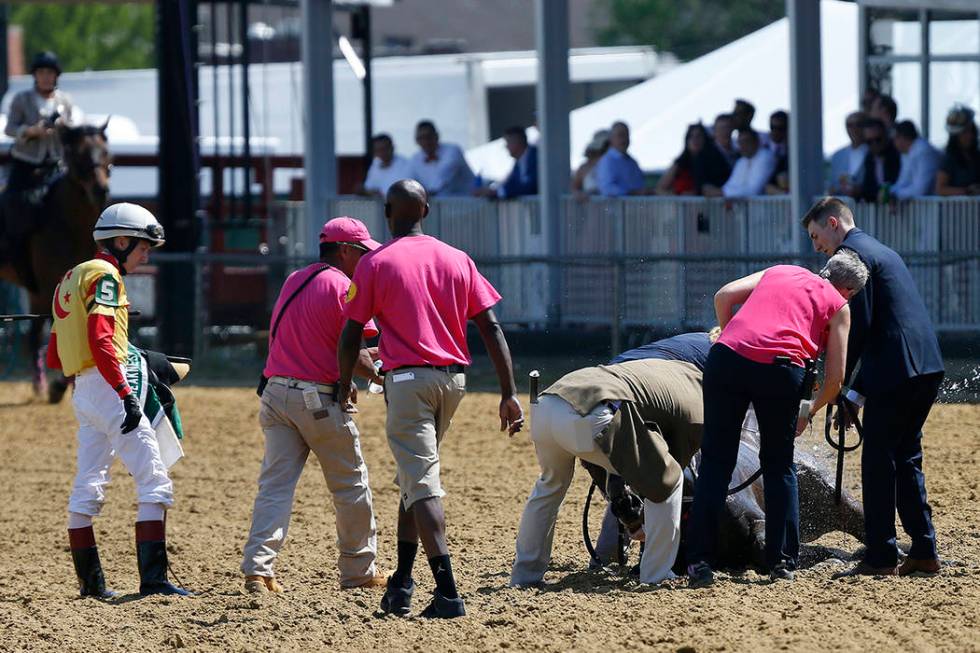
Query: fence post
pixel 616 324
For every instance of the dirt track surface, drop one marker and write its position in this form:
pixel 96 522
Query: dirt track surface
pixel 487 477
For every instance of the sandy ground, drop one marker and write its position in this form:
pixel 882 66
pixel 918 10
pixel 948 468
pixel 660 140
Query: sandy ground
pixel 488 477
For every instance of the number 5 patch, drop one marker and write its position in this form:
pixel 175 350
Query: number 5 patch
pixel 107 291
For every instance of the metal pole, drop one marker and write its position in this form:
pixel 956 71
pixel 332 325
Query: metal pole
pixel 229 60
pixel 217 171
pixel 368 93
pixel 924 76
pixel 616 326
pixel 246 113
pixel 863 37
pixel 551 28
pixel 4 55
pixel 319 160
pixel 806 109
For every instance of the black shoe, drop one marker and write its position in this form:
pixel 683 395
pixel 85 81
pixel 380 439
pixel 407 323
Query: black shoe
pixel 151 557
pixel 782 572
pixel 700 575
pixel 398 599
pixel 88 568
pixel 443 608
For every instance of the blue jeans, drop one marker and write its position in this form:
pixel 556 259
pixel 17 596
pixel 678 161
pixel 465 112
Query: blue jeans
pixel 891 471
pixel 731 383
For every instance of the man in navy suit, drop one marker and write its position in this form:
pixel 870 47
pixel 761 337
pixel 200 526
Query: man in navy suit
pixel 901 368
pixel 523 177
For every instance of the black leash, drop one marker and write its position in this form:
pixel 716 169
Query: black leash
pixel 840 444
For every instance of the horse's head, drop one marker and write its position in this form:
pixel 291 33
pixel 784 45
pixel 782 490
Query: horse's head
pixel 88 159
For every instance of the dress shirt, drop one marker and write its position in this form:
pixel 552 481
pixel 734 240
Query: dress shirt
pixel 750 175
pixel 618 174
pixel 918 174
pixel 445 174
pixel 379 178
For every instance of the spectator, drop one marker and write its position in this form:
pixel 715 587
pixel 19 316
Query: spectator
pixel 868 99
pixel 742 115
pixel 439 167
pixel 523 177
pixel 779 133
pixel 881 164
pixel 920 161
pixel 779 145
pixel 617 172
pixel 847 162
pixel 752 170
pixel 699 164
pixel 386 168
pixel 884 109
pixel 722 131
pixel 959 173
pixel 585 181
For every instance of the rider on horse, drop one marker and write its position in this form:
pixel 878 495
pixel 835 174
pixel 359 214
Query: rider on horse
pixel 35 121
pixel 35 115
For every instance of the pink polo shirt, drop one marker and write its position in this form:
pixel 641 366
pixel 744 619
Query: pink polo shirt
pixel 786 315
pixel 305 346
pixel 422 292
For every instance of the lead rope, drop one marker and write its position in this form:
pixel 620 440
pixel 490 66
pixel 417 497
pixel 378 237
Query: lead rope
pixel 840 444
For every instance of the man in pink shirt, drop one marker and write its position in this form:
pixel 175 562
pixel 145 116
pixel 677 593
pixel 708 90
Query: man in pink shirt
pixel 422 293
pixel 300 413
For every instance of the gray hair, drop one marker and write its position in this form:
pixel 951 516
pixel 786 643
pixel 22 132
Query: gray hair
pixel 845 270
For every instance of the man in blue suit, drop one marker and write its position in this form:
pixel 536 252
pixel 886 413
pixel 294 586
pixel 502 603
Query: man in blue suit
pixel 523 177
pixel 898 381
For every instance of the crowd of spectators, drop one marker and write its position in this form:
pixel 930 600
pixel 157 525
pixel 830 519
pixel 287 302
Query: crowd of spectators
pixel 885 160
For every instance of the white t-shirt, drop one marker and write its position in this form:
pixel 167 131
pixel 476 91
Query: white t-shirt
pixel 380 178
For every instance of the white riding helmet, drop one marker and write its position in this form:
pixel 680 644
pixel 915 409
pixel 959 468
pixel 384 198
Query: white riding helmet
pixel 131 220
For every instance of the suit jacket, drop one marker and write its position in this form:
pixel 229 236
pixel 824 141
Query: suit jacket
pixel 658 424
pixel 891 332
pixel 869 180
pixel 523 177
pixel 24 112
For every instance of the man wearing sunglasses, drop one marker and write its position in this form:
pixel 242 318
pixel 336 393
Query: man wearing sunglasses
pixel 882 163
pixel 299 413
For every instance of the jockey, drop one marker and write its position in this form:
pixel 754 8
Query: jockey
pixel 33 119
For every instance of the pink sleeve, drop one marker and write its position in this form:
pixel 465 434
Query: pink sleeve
pixel 359 303
pixel 482 295
pixel 370 329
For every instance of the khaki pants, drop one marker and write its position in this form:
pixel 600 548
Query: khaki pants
pixel 291 432
pixel 421 404
pixel 560 435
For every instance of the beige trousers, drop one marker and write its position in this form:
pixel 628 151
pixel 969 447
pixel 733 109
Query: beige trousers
pixel 291 432
pixel 421 404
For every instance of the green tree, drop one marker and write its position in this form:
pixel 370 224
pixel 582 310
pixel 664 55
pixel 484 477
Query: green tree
pixel 688 28
pixel 89 36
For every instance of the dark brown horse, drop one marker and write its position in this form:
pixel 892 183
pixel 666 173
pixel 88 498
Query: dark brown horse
pixel 62 236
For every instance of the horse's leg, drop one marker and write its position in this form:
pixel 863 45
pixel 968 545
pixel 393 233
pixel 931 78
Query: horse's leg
pixel 35 349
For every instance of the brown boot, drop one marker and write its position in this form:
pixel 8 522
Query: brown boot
pixel 262 584
pixel 926 567
pixel 378 580
pixel 864 569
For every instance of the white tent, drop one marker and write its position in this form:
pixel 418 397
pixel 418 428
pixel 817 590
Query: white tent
pixel 755 67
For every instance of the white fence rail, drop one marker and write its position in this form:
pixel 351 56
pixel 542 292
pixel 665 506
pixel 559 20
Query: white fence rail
pixel 656 262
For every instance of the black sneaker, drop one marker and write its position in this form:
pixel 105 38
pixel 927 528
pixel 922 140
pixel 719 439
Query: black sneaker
pixel 443 608
pixel 398 600
pixel 700 575
pixel 782 572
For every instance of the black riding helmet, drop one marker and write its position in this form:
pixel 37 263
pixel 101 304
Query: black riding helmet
pixel 46 59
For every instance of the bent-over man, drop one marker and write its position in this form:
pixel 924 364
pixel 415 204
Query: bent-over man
pixel 641 420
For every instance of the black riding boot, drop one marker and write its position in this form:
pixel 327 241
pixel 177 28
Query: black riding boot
pixel 151 557
pixel 88 568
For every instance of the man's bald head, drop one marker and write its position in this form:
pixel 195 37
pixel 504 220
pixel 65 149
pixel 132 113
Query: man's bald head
pixel 406 202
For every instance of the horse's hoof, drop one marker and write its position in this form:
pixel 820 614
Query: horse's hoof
pixel 56 391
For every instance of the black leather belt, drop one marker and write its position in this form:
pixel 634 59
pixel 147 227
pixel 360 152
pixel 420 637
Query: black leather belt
pixel 449 369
